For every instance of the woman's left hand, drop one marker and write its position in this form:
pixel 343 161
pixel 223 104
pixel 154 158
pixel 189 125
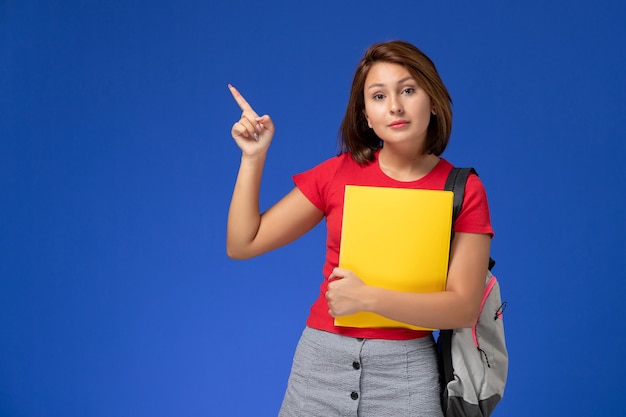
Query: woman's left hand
pixel 345 293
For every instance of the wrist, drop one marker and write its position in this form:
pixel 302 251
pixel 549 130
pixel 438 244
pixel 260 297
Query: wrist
pixel 368 299
pixel 254 159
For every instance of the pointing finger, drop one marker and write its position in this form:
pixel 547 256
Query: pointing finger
pixel 243 104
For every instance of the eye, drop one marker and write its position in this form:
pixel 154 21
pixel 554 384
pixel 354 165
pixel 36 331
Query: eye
pixel 408 90
pixel 378 96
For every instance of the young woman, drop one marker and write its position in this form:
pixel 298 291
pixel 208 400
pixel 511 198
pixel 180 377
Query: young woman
pixel 396 126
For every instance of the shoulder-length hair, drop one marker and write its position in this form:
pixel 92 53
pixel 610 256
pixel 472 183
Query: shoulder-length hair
pixel 355 135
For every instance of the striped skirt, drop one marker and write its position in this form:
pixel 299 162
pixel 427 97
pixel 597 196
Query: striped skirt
pixel 334 375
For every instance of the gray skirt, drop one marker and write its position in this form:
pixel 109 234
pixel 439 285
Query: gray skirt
pixel 334 375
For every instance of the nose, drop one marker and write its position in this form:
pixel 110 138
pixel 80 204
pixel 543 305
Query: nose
pixel 395 106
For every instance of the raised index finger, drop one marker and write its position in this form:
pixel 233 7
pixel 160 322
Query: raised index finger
pixel 243 104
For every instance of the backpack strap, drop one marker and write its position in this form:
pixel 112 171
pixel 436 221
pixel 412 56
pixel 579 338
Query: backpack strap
pixel 457 178
pixel 456 183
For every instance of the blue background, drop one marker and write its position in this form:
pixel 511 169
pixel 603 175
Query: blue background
pixel 117 165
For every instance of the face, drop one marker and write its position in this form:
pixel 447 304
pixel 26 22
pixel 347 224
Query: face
pixel 396 107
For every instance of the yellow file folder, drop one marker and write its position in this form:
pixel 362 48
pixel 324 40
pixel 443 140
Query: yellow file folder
pixel 395 238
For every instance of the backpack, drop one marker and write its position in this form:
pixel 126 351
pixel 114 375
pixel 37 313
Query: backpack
pixel 473 361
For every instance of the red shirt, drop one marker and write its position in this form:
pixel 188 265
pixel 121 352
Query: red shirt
pixel 324 186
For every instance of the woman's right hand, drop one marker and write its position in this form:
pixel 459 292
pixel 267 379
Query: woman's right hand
pixel 252 133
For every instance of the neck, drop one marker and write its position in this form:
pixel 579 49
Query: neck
pixel 405 166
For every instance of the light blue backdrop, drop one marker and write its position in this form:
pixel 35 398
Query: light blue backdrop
pixel 116 168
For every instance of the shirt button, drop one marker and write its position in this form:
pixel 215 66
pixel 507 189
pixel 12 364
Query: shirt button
pixel 354 395
pixel 356 365
pixel 359 339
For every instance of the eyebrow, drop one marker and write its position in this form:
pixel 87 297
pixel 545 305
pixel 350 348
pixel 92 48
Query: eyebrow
pixel 405 79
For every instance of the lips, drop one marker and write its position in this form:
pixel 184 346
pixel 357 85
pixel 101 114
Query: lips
pixel 396 124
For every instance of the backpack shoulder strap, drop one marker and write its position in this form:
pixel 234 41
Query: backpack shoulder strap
pixel 457 178
pixel 456 183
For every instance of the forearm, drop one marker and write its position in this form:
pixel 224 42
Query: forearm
pixel 244 215
pixel 456 307
pixel 439 310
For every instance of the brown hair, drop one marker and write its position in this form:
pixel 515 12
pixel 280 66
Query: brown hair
pixel 355 135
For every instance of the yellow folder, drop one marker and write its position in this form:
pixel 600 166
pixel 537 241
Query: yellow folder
pixel 395 238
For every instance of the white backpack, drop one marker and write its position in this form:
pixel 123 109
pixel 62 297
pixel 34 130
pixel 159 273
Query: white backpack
pixel 473 361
